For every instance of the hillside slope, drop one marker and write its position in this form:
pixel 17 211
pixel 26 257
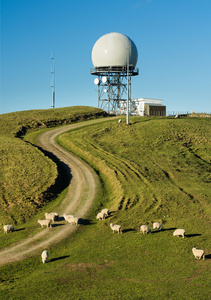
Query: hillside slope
pixel 27 176
pixel 154 167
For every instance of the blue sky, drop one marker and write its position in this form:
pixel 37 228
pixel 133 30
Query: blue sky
pixel 173 38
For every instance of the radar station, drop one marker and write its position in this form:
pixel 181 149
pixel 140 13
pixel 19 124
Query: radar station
pixel 114 57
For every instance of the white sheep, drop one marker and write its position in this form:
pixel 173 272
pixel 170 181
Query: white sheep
pixel 50 217
pixel 44 223
pixel 179 232
pixel 145 229
pixel 8 228
pixel 101 216
pixel 105 211
pixel 56 215
pixel 117 228
pixel 44 256
pixel 71 219
pixel 157 226
pixel 198 253
pixel 67 217
pixel 75 220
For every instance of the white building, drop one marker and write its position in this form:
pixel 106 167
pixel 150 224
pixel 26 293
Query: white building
pixel 144 107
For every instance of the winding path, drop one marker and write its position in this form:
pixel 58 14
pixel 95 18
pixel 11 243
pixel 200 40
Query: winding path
pixel 78 200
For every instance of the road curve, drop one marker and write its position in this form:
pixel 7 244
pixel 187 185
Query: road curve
pixel 78 200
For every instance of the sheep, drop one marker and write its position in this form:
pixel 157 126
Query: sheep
pixel 75 221
pixel 179 232
pixel 100 216
pixel 198 253
pixel 145 229
pixel 71 219
pixel 8 228
pixel 56 215
pixel 46 223
pixel 106 211
pixel 157 225
pixel 117 228
pixel 50 217
pixel 44 256
pixel 66 217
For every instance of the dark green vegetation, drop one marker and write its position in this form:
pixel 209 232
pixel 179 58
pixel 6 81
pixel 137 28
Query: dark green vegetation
pixel 153 170
pixel 27 177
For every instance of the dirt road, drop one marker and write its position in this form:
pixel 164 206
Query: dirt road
pixel 78 200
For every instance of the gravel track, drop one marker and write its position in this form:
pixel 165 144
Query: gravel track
pixel 78 200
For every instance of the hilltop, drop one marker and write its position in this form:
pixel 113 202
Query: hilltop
pixel 155 169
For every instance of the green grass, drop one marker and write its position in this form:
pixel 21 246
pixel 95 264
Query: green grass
pixel 97 264
pixel 155 169
pixel 27 176
pixel 19 123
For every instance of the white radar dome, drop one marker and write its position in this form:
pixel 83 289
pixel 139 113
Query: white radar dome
pixel 113 50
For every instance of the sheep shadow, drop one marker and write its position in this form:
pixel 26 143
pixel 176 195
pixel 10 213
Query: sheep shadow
pixel 128 230
pixel 85 222
pixel 111 213
pixel 192 235
pixel 156 231
pixel 20 229
pixel 208 256
pixel 59 258
pixel 168 229
pixel 56 225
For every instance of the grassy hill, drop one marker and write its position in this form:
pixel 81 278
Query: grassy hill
pixel 27 176
pixel 156 169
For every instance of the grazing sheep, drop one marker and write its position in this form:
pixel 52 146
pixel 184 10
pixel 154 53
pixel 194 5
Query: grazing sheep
pixel 179 232
pixel 75 221
pixel 198 253
pixel 67 216
pixel 46 223
pixel 120 121
pixel 117 228
pixel 44 256
pixel 145 229
pixel 101 216
pixel 8 228
pixel 157 226
pixel 105 211
pixel 50 217
pixel 71 219
pixel 56 215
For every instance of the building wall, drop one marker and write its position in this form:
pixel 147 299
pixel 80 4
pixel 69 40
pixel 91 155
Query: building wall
pixel 150 110
pixel 144 107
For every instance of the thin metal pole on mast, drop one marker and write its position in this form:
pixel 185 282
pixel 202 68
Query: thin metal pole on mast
pixel 53 86
pixel 127 116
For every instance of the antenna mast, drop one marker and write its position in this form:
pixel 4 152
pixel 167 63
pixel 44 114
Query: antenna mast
pixel 53 86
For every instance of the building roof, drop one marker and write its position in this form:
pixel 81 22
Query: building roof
pixel 148 101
